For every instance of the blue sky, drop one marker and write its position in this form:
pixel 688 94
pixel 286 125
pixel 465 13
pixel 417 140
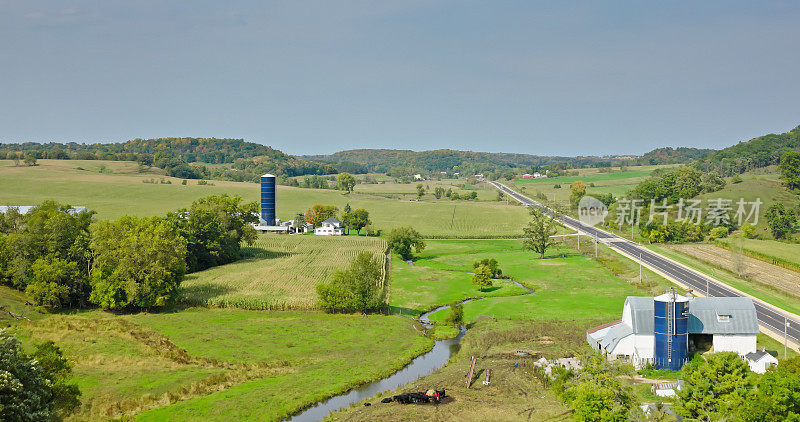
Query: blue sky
pixel 539 77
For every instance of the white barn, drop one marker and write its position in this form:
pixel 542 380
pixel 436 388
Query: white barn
pixel 728 323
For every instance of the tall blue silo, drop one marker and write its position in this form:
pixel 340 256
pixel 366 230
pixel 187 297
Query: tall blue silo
pixel 268 199
pixel 671 330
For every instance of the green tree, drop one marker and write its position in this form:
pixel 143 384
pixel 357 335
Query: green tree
pixel 491 263
pixel 538 233
pixel 345 182
pixel 30 158
pixel 711 182
pixel 401 240
pixel 718 233
pixel 749 230
pixel 578 189
pixel 56 368
pixel 359 288
pixel 215 228
pixel 52 233
pixel 790 169
pixel 777 397
pixel 51 282
pixel 319 213
pixel 438 192
pixel 714 387
pixel 26 393
pixel 456 315
pixel 420 190
pixel 781 220
pixel 139 263
pixel 482 277
pixel 356 219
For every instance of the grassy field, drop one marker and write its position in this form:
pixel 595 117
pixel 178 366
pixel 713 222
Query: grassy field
pixel 617 183
pixel 113 189
pixel 281 272
pixel 221 364
pixel 321 350
pixel 440 274
pixel 408 191
pixel 567 284
pixel 762 184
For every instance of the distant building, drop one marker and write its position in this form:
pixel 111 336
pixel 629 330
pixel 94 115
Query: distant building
pixel 293 226
pixel 760 361
pixel 330 227
pixel 418 177
pixel 663 330
pixel 667 389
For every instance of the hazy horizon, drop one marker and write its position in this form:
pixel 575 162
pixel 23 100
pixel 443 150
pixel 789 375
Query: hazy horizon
pixel 313 78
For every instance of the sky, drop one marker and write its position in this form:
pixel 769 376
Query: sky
pixel 314 77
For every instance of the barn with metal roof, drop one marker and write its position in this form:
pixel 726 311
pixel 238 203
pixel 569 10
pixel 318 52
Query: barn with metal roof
pixel 726 323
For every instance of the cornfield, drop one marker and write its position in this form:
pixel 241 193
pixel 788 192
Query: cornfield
pixel 279 272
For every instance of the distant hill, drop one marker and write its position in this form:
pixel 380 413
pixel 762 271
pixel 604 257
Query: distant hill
pixel 183 157
pixel 384 160
pixel 669 155
pixel 758 152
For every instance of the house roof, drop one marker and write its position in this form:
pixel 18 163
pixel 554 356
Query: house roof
pixel 703 312
pixel 758 355
pixel 332 220
pixel 600 327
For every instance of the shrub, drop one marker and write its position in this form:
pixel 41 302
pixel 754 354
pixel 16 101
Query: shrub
pixel 718 233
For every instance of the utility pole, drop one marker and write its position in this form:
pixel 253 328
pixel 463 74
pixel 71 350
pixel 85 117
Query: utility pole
pixel 595 245
pixel 640 268
pixel 785 337
pixel 579 242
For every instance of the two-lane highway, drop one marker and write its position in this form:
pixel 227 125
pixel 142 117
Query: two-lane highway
pixel 768 316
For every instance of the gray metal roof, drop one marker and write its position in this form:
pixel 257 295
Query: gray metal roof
pixel 642 314
pixel 703 315
pixel 614 335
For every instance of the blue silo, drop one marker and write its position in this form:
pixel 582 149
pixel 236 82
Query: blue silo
pixel 671 330
pixel 268 199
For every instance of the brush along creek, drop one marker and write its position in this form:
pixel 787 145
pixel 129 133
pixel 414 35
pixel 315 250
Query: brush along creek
pixel 422 365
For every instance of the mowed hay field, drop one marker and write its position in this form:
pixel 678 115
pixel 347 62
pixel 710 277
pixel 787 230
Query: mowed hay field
pixel 116 188
pixel 281 272
pixel 748 268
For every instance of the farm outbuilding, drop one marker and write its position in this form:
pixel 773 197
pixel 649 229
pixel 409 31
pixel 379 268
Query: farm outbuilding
pixel 728 324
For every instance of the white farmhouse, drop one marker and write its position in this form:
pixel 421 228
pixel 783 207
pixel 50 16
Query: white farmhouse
pixel 330 227
pixel 760 361
pixel 728 324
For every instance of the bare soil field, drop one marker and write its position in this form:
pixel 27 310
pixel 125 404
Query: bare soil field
pixel 745 267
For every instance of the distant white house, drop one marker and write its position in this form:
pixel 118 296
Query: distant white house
pixel 418 177
pixel 330 227
pixel 535 175
pixel 760 361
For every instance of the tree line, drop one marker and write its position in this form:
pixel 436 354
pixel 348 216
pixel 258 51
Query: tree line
pixel 66 259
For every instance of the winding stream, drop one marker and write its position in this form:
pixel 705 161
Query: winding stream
pixel 422 365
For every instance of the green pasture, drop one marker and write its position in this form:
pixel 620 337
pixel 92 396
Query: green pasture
pixel 327 354
pixel 618 183
pixel 766 249
pixel 567 285
pixel 113 189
